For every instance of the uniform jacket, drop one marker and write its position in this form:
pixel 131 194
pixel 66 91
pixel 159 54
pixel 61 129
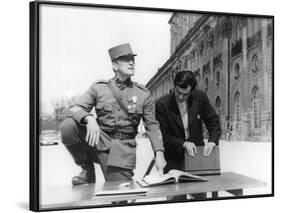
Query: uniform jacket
pixel 170 120
pixel 112 118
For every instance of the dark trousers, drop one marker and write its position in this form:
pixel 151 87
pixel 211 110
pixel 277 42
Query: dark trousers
pixel 73 137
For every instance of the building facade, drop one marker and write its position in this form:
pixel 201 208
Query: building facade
pixel 231 57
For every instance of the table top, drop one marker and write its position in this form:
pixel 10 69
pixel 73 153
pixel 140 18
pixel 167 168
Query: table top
pixel 84 195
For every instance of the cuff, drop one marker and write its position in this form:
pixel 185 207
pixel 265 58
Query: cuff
pixel 216 141
pixel 80 115
pixel 159 150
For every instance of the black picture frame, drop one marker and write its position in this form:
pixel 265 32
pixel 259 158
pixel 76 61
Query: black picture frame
pixel 35 96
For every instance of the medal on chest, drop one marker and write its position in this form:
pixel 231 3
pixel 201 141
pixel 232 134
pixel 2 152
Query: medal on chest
pixel 132 104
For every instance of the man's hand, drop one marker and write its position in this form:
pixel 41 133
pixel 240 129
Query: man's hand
pixel 160 162
pixel 208 148
pixel 190 148
pixel 93 131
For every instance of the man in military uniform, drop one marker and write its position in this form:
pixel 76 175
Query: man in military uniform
pixel 109 138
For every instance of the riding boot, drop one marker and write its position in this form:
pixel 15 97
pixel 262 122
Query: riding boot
pixel 81 156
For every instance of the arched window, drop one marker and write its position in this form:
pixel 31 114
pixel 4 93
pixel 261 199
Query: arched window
pixel 218 105
pixel 236 71
pixel 206 84
pixel 218 78
pixel 255 63
pixel 237 97
pixel 256 107
pixel 237 106
pixel 218 102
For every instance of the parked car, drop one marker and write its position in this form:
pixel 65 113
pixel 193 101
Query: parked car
pixel 49 137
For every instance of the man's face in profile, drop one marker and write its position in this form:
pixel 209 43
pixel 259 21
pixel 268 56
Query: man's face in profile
pixel 125 65
pixel 182 94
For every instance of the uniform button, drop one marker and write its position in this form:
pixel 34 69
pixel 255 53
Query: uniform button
pixel 118 109
pixel 118 119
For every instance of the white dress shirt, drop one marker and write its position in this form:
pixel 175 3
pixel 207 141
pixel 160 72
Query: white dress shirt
pixel 184 116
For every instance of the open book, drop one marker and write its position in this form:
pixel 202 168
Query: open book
pixel 173 176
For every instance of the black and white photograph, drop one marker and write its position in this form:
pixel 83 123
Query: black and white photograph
pixel 136 105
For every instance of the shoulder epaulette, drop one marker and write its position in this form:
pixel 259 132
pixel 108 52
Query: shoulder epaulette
pixel 141 87
pixel 102 82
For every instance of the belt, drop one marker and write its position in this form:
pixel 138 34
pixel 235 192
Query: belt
pixel 121 135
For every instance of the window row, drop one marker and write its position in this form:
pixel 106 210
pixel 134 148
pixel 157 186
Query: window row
pixel 255 100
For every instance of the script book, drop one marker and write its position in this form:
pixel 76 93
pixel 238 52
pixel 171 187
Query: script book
pixel 173 176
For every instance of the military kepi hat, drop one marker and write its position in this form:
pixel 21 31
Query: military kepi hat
pixel 120 50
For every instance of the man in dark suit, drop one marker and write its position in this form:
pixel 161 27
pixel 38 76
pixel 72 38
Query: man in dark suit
pixel 180 115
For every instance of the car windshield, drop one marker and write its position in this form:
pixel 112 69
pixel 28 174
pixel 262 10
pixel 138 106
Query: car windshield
pixel 49 132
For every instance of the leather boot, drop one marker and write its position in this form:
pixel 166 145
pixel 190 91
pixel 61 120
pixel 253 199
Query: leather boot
pixel 87 175
pixel 80 154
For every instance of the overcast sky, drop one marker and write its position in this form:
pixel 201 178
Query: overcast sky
pixel 74 46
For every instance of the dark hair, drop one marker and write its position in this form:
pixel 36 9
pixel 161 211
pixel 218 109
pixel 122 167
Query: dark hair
pixel 184 79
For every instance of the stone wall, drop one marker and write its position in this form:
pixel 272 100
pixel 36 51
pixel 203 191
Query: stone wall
pixel 232 60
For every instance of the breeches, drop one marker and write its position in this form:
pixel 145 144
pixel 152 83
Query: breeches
pixel 73 133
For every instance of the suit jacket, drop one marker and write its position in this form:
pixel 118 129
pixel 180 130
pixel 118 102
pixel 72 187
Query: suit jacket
pixel 170 120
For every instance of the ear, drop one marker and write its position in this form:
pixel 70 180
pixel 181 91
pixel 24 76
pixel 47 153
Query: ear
pixel 114 65
pixel 194 84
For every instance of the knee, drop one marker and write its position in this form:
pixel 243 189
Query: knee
pixel 67 128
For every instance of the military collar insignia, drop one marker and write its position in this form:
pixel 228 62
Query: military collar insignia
pixel 123 84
